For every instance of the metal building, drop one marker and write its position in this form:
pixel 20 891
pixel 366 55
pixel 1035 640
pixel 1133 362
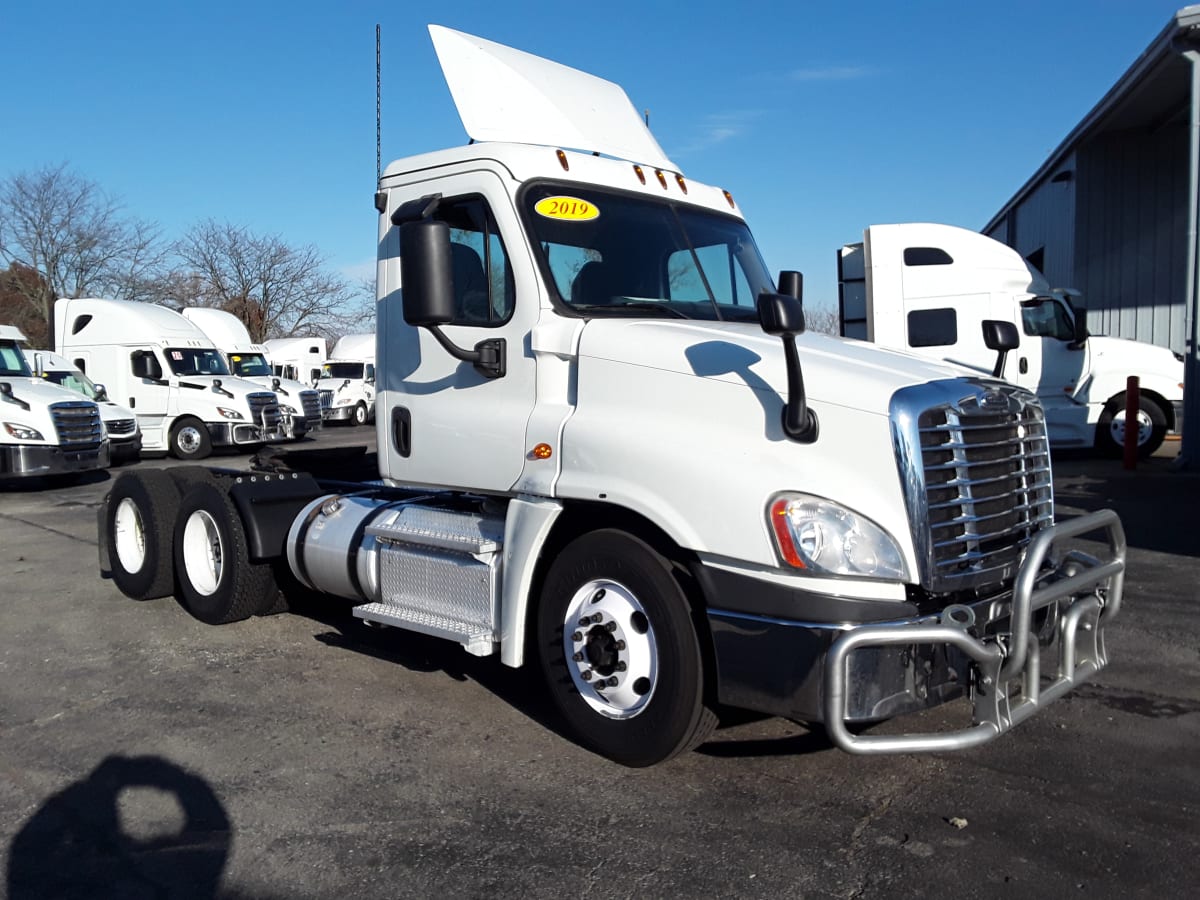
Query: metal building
pixel 1113 211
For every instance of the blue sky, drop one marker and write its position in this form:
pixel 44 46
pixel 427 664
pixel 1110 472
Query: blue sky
pixel 820 118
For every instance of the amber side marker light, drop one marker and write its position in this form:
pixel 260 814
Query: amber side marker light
pixel 783 535
pixel 562 158
pixel 682 184
pixel 542 451
pixel 637 170
pixel 729 198
pixel 662 179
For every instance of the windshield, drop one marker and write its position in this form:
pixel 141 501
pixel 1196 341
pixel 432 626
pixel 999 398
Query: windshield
pixel 620 255
pixel 248 364
pixel 12 360
pixel 1046 317
pixel 196 362
pixel 342 370
pixel 73 381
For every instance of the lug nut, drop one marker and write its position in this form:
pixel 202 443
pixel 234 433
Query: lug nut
pixel 611 626
pixel 578 657
pixel 621 667
pixel 620 645
pixel 612 682
pixel 584 622
pixel 586 676
pixel 576 636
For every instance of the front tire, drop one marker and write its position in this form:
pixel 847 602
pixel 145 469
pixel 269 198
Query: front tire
pixel 360 414
pixel 190 440
pixel 619 650
pixel 1151 422
pixel 138 524
pixel 217 582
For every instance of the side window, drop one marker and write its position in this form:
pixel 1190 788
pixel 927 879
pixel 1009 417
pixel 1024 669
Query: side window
pixel 370 372
pixel 926 256
pixel 932 328
pixel 145 365
pixel 483 282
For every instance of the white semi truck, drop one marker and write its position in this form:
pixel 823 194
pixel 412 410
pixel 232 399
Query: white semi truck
pixel 169 373
pixel 607 448
pixel 124 436
pixel 927 288
pixel 299 406
pixel 44 429
pixel 347 382
pixel 297 358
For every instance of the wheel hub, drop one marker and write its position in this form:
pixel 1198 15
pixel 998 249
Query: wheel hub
pixel 189 439
pixel 1145 427
pixel 611 650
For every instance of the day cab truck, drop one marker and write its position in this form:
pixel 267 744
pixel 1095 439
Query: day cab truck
pixel 169 373
pixel 45 430
pixel 299 359
pixel 299 406
pixel 347 382
pixel 124 436
pixel 927 288
pixel 608 448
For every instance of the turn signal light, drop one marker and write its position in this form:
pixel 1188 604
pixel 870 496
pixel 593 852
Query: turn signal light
pixel 562 158
pixel 542 451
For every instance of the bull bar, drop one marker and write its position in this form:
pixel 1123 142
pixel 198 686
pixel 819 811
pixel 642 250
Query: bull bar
pixel 1092 590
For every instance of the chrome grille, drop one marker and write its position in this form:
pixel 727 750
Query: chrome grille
pixel 121 427
pixel 310 401
pixel 264 410
pixel 977 476
pixel 78 425
pixel 326 399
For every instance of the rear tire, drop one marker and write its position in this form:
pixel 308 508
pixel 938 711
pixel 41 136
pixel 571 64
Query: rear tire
pixel 1110 430
pixel 138 520
pixel 619 650
pixel 217 582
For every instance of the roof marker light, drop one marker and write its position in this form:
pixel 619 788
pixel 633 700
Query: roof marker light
pixel 682 184
pixel 729 197
pixel 637 170
pixel 662 179
pixel 562 158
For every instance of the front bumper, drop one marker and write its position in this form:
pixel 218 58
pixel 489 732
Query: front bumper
pixel 30 460
pixel 232 434
pixel 856 663
pixel 125 449
pixel 338 413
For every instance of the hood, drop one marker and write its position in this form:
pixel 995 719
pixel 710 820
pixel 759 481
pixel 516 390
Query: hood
pixel 287 387
pixel 837 371
pixel 239 387
pixel 35 391
pixel 1134 356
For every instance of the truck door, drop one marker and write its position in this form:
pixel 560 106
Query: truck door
pixel 149 392
pixel 1049 364
pixel 444 422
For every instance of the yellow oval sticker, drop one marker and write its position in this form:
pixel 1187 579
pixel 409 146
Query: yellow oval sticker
pixel 571 209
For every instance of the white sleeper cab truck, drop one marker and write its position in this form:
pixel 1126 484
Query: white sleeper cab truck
pixel 299 406
pixel 347 383
pixel 124 436
pixel 44 429
pixel 607 448
pixel 299 359
pixel 927 288
pixel 168 372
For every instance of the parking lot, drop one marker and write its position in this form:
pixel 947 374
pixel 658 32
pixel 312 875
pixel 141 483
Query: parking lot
pixel 305 755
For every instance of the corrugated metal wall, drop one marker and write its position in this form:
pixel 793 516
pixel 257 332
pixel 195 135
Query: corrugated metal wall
pixel 1131 232
pixel 1045 222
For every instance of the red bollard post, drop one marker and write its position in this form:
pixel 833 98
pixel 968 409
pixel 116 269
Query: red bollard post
pixel 1131 422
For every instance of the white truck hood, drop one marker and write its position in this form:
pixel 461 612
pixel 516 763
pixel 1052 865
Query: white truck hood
pixel 35 391
pixel 1134 357
pixel 847 373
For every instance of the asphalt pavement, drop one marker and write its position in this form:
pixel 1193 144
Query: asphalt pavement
pixel 305 755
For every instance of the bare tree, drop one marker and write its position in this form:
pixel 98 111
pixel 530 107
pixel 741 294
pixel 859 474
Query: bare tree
pixel 275 289
pixel 75 238
pixel 822 319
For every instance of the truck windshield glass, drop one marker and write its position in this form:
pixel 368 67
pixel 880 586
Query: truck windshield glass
pixel 1046 317
pixel 73 381
pixel 12 361
pixel 189 361
pixel 621 255
pixel 342 370
pixel 245 365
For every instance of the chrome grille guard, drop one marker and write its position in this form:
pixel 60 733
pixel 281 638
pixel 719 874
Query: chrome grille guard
pixel 1007 684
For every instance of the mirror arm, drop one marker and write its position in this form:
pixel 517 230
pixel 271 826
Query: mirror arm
pixel 799 422
pixel 489 357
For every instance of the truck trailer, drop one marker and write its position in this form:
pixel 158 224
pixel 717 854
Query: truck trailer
pixel 927 288
pixel 608 448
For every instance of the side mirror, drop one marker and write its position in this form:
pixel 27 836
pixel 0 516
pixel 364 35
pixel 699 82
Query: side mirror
pixel 1001 337
pixel 1081 329
pixel 791 284
pixel 426 273
pixel 101 392
pixel 783 315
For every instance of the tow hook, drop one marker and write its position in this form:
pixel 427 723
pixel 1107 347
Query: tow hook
pixel 959 616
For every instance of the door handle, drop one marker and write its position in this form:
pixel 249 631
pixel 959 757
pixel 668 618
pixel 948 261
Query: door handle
pixel 1024 366
pixel 402 431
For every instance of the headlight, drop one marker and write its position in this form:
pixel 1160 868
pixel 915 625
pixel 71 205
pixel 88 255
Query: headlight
pixel 22 432
pixel 822 537
pixel 229 413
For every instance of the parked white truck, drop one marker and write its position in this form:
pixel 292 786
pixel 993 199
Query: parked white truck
pixel 347 383
pixel 44 429
pixel 926 288
pixel 299 406
pixel 297 358
pixel 608 449
pixel 169 373
pixel 124 436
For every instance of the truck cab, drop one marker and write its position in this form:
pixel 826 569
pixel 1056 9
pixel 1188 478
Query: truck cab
pixel 44 429
pixel 347 383
pixel 925 288
pixel 169 373
pixel 299 359
pixel 299 406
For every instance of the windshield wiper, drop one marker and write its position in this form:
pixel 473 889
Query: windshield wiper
pixel 632 305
